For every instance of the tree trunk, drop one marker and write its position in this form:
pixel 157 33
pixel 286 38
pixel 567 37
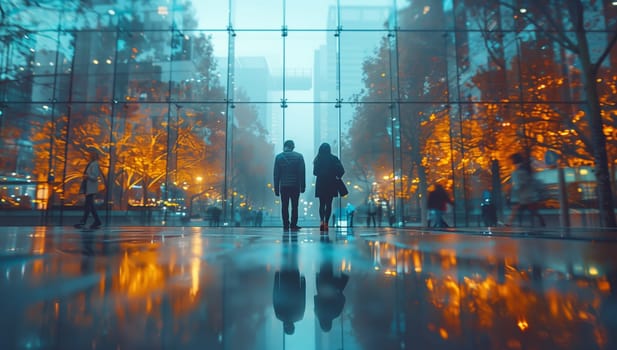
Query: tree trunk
pixel 598 140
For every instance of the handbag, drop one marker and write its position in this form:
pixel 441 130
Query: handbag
pixel 83 185
pixel 342 189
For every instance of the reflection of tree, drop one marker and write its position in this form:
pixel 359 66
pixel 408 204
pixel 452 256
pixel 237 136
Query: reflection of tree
pixel 478 302
pixel 524 97
pixel 569 33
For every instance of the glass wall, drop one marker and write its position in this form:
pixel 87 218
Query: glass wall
pixel 187 104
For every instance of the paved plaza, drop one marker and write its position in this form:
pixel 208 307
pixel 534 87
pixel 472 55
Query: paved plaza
pixel 262 288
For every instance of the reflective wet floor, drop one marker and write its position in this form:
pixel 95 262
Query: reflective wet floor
pixel 259 288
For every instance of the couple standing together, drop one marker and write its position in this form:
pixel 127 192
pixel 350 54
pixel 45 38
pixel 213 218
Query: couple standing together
pixel 290 181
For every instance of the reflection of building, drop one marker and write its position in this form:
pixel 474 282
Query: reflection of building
pixel 354 49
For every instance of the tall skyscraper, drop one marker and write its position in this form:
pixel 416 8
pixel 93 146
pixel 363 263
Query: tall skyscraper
pixel 352 48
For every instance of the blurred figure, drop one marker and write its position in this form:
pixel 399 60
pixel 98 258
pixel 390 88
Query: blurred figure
pixel 350 210
pixel 489 212
pixel 237 217
pixel 259 218
pixel 371 213
pixel 328 169
pixel 524 194
pixel 379 213
pixel 289 182
pixel 289 292
pixel 438 200
pixel 214 213
pixel 329 301
pixel 90 187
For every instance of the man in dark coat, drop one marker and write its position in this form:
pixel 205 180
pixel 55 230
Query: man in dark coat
pixel 289 182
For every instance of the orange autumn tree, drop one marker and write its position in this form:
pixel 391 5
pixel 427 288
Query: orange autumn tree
pixel 571 29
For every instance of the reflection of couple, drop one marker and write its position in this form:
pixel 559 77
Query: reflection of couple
pixel 289 292
pixel 329 301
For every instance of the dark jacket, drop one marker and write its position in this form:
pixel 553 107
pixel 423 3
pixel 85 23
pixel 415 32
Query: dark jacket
pixel 289 171
pixel 327 168
pixel 438 199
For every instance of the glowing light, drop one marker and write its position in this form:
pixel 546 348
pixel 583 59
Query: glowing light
pixel 197 251
pixel 522 325
pixel 443 333
pixel 163 10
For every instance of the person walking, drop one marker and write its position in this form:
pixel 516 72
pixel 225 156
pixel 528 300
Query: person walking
pixel 289 182
pixel 438 200
pixel 524 193
pixel 371 213
pixel 350 210
pixel 90 187
pixel 328 169
pixel 379 212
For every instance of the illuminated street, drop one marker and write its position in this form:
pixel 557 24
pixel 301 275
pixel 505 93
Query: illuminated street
pixel 231 288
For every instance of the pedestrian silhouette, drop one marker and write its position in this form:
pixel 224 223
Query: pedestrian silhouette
pixel 328 170
pixel 350 210
pixel 289 292
pixel 438 200
pixel 89 188
pixel 524 195
pixel 329 301
pixel 289 182
pixel 371 214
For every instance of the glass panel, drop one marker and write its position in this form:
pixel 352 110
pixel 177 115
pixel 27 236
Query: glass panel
pixel 143 71
pixel 425 16
pixel 258 55
pixel 422 73
pixel 300 60
pixel 144 163
pixel 357 17
pixel 252 15
pixel 93 68
pixel 367 155
pixel 212 14
pixel 78 129
pixel 310 15
pixel 195 73
pixel 356 49
pixel 252 161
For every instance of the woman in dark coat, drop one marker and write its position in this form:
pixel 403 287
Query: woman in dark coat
pixel 328 169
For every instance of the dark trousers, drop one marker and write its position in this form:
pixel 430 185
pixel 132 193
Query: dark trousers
pixel 89 208
pixel 290 194
pixel 370 218
pixel 325 208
